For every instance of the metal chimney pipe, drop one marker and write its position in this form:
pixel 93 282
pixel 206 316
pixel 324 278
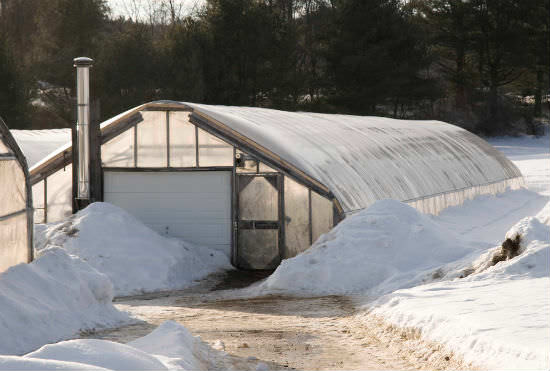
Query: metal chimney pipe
pixel 83 65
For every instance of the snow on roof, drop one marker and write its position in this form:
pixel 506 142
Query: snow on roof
pixel 37 144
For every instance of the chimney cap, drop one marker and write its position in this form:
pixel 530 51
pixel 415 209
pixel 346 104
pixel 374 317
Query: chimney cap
pixel 83 62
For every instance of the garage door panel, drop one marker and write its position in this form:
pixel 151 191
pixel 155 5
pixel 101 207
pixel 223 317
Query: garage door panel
pixel 192 203
pixel 137 182
pixel 193 206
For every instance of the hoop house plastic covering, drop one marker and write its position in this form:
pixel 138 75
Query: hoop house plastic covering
pixel 364 159
pixel 358 160
pixel 15 204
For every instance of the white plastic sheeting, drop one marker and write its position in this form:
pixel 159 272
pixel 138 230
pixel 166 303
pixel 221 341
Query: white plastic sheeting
pixel 364 159
pixel 429 164
pixel 15 211
pixel 37 144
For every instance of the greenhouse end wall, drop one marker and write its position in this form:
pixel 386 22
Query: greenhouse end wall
pixel 16 219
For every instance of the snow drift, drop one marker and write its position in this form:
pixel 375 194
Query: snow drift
pixel 496 317
pixel 135 258
pixel 51 299
pixel 169 346
pixel 388 246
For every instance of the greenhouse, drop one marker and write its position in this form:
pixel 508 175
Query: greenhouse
pixel 262 185
pixel 16 215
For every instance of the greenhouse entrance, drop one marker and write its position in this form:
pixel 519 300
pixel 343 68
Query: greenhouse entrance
pixel 259 220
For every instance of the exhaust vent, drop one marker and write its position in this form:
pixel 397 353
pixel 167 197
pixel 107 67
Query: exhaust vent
pixel 83 65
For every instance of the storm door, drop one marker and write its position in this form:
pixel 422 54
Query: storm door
pixel 259 220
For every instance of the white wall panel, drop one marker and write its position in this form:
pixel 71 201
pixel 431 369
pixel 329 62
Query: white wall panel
pixel 194 206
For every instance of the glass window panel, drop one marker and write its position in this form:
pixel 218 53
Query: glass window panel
pixel 14 241
pixel 258 248
pixel 12 186
pixel 38 201
pixel 151 140
pixel 258 199
pixel 182 140
pixel 296 218
pixel 119 151
pixel 59 195
pixel 321 215
pixel 213 151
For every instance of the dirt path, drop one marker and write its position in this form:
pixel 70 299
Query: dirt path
pixel 284 332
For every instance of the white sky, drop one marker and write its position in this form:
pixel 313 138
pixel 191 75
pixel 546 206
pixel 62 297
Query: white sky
pixel 142 8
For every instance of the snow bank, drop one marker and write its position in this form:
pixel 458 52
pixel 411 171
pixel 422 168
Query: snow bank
pixel 10 363
pixel 50 299
pixel 179 349
pixel 388 246
pixel 169 346
pixel 100 353
pixel 497 318
pixel 133 256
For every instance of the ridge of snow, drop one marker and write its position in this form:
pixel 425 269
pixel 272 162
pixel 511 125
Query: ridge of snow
pixel 388 246
pixel 135 258
pixel 51 299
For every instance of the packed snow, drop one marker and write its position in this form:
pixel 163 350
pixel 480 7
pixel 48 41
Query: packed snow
pixel 134 257
pixel 498 318
pixel 51 299
pixel 169 346
pixel 388 246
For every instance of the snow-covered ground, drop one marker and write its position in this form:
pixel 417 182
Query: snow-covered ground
pixel 447 291
pixel 134 257
pixel 51 299
pixel 170 346
pixel 499 317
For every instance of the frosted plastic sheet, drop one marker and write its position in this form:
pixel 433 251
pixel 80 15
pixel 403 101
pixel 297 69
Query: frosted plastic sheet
pixel 151 140
pixel 12 187
pixel 38 202
pixel 258 249
pixel 3 148
pixel 213 151
pixel 37 144
pixel 364 159
pixel 182 140
pixel 266 169
pixel 437 203
pixel 296 218
pixel 59 195
pixel 119 151
pixel 258 199
pixel 13 241
pixel 321 215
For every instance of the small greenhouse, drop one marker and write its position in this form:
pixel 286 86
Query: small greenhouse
pixel 16 215
pixel 262 185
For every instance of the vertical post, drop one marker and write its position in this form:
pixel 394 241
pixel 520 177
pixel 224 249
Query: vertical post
pixel 82 164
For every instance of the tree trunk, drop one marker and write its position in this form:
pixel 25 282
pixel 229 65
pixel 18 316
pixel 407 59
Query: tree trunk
pixel 460 89
pixel 538 92
pixel 493 120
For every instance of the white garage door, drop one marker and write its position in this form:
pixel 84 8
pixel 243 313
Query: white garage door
pixel 194 206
